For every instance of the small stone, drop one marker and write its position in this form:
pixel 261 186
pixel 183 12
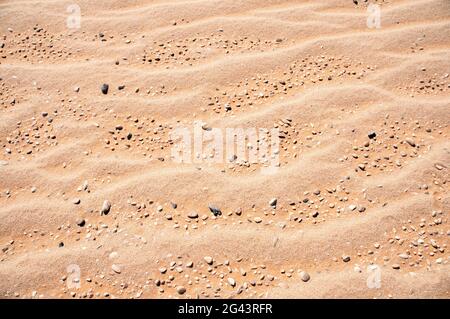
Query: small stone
pixel 257 220
pixel 273 202
pixel 76 201
pixel 304 276
pixel 372 135
pixel 411 142
pixel 404 256
pixel 231 282
pixel 116 268
pixel 105 88
pixel 352 207
pixel 396 266
pixel 346 258
pixel 181 290
pixel 80 222
pixel 215 210
pixel 163 270
pixel 193 215
pixel 209 260
pixel 33 189
pixel 105 208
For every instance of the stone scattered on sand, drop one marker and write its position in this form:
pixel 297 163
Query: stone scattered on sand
pixel 346 258
pixel 372 135
pixel 215 210
pixel 162 270
pixel 410 141
pixel 193 215
pixel 209 260
pixel 105 88
pixel 106 207
pixel 80 222
pixel 273 202
pixel 181 290
pixel 304 276
pixel 257 220
pixel 231 282
pixel 116 268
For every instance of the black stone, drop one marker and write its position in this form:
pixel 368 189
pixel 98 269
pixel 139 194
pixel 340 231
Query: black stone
pixel 105 88
pixel 216 211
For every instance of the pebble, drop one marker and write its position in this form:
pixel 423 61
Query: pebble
pixel 305 276
pixel 257 220
pixel 105 88
pixel 273 202
pixel 181 290
pixel 163 270
pixel 372 135
pixel 215 210
pixel 346 258
pixel 116 268
pixel 209 260
pixel 411 142
pixel 80 222
pixel 105 208
pixel 396 266
pixel 231 281
pixel 76 201
pixel 193 215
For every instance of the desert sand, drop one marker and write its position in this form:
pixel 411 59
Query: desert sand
pixel 93 204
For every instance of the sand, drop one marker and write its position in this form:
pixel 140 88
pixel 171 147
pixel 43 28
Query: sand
pixel 94 204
